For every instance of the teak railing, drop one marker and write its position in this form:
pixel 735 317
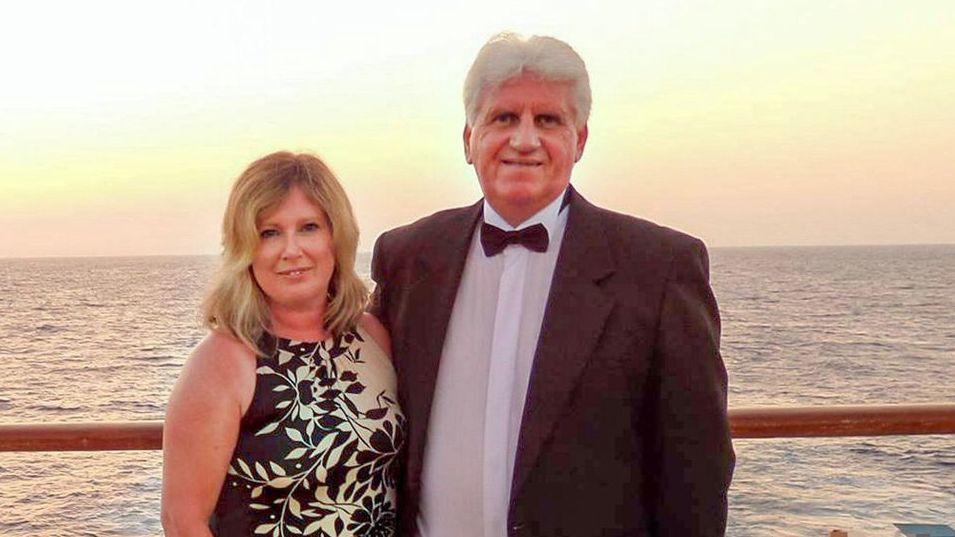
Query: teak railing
pixel 748 422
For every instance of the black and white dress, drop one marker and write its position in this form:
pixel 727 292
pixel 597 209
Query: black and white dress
pixel 317 447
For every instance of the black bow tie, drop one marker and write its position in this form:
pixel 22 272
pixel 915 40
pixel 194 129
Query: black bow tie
pixel 495 239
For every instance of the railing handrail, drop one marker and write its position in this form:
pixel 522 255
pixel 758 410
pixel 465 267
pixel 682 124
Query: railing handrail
pixel 843 420
pixel 745 422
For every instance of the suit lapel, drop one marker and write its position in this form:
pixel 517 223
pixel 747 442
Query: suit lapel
pixel 440 264
pixel 576 311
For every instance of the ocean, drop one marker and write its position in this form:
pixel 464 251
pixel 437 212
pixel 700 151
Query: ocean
pixel 99 339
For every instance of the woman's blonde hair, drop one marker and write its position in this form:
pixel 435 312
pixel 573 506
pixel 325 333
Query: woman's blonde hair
pixel 236 303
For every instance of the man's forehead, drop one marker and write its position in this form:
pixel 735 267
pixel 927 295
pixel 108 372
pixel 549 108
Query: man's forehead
pixel 533 92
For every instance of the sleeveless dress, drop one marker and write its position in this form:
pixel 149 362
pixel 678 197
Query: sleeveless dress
pixel 317 448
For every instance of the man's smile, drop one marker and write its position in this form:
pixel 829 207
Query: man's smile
pixel 523 163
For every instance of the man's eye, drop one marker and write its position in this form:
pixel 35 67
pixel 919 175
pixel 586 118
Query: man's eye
pixel 505 118
pixel 548 120
pixel 268 233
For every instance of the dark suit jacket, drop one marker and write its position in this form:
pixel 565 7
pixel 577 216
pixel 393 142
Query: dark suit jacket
pixel 624 430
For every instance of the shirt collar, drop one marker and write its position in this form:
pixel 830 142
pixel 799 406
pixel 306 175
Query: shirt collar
pixel 546 216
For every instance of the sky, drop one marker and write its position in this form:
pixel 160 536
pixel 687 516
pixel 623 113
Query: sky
pixel 123 124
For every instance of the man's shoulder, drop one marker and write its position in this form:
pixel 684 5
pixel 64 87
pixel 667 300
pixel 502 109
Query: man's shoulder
pixel 639 246
pixel 427 228
pixel 432 223
pixel 405 242
pixel 625 230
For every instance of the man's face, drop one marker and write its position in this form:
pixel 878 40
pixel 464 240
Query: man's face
pixel 524 144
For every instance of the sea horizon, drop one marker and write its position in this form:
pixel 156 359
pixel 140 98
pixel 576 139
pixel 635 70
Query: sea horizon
pixel 368 252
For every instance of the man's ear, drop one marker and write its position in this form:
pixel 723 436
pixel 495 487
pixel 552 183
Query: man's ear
pixel 467 143
pixel 581 142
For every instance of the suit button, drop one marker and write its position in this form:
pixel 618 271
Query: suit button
pixel 516 528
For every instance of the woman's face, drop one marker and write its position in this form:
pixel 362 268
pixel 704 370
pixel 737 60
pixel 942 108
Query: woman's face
pixel 295 258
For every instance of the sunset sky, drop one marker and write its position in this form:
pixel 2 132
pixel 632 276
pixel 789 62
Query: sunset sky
pixel 123 124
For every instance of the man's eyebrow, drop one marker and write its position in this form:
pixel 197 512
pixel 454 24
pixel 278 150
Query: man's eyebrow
pixel 491 112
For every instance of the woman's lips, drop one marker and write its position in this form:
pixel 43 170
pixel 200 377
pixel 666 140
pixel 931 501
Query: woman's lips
pixel 294 273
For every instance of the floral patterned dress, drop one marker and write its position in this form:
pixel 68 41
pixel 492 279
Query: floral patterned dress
pixel 317 447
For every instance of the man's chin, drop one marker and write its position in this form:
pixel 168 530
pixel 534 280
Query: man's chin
pixel 516 197
pixel 516 206
pixel 519 175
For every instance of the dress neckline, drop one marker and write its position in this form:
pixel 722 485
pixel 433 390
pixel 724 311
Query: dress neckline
pixel 299 341
pixel 310 342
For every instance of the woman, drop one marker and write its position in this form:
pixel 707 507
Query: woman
pixel 284 420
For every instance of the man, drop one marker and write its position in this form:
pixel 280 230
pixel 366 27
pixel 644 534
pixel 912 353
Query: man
pixel 558 363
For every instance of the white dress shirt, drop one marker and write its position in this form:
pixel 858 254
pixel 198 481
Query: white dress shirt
pixel 482 382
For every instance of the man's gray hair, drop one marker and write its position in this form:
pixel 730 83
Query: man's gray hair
pixel 508 55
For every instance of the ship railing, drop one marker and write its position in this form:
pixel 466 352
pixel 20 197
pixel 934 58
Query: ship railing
pixel 745 423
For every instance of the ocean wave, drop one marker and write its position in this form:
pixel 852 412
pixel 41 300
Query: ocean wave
pixel 55 407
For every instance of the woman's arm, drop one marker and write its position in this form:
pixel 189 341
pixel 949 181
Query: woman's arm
pixel 200 432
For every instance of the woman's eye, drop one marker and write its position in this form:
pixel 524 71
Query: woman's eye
pixel 311 226
pixel 268 233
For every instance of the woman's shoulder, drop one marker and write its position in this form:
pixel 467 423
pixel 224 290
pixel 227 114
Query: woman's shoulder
pixel 219 348
pixel 379 334
pixel 223 363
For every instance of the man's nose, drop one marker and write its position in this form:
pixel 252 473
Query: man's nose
pixel 525 136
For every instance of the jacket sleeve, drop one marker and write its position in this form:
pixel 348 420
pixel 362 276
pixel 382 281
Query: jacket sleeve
pixel 377 304
pixel 692 445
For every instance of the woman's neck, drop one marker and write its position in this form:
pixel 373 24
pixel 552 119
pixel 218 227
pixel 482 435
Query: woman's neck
pixel 302 324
